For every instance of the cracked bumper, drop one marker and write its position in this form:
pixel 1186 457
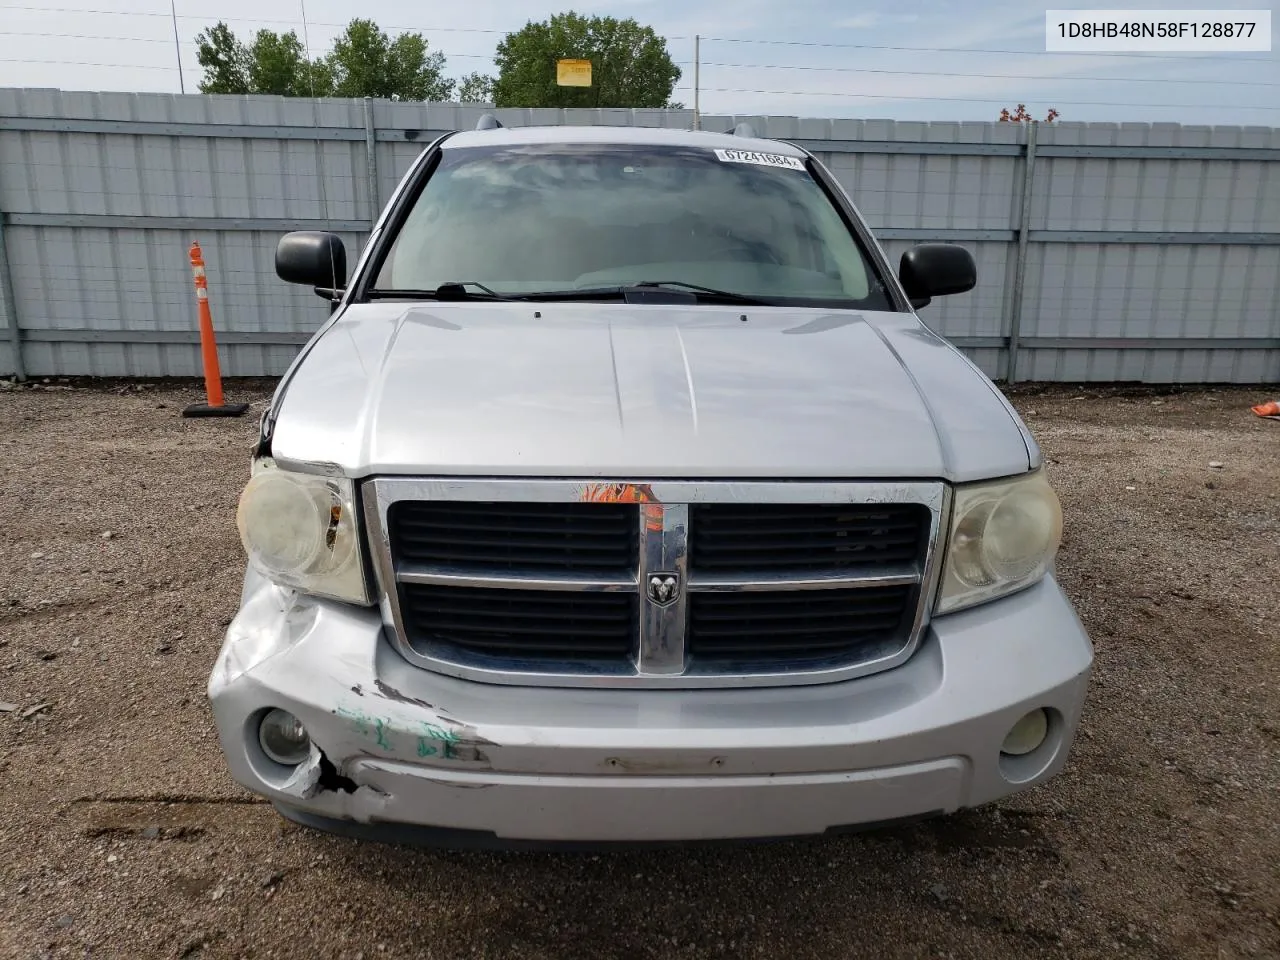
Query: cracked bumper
pixel 398 745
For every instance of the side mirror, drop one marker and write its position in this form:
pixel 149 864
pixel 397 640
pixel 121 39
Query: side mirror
pixel 935 270
pixel 314 258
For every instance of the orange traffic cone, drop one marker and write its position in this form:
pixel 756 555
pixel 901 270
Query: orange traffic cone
pixel 1270 410
pixel 216 406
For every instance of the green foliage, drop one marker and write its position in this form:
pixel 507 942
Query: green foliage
pixel 225 60
pixel 278 64
pixel 367 63
pixel 364 62
pixel 630 64
pixel 475 88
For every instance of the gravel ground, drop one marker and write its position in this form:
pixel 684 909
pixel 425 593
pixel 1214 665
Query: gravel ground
pixel 122 836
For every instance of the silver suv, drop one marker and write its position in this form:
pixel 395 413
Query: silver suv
pixel 624 497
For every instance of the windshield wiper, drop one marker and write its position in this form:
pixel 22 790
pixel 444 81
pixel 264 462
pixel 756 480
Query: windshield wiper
pixel 708 292
pixel 446 291
pixel 595 293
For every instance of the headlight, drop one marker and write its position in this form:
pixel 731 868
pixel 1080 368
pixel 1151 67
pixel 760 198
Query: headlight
pixel 1004 536
pixel 300 530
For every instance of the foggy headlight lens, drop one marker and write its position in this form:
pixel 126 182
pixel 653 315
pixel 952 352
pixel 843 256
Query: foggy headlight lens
pixel 300 530
pixel 1004 536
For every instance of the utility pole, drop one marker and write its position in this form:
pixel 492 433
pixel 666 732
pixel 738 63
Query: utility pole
pixel 697 80
pixel 177 46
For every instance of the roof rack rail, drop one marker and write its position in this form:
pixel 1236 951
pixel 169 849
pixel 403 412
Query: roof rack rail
pixel 743 129
pixel 488 122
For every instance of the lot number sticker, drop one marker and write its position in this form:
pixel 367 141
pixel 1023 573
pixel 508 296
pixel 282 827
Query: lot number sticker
pixel 763 159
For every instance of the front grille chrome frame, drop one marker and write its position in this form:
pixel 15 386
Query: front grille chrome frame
pixel 661 659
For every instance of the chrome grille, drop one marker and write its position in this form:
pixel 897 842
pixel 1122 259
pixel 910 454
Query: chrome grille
pixel 556 582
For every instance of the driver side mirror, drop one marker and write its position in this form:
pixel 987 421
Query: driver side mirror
pixel 315 258
pixel 935 270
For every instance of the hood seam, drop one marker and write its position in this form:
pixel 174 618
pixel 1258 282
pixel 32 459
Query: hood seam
pixel 944 445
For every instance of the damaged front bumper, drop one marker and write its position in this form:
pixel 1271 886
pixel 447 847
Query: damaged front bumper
pixel 397 745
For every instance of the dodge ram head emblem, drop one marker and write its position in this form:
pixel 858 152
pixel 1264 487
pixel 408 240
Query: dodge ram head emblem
pixel 662 588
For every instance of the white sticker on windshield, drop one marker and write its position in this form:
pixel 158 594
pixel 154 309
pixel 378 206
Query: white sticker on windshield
pixel 763 159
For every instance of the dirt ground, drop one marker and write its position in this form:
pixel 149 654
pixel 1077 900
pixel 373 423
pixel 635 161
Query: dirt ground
pixel 121 834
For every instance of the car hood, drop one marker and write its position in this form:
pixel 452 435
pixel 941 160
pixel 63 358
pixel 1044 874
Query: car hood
pixel 643 391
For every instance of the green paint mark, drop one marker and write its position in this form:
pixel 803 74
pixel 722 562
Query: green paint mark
pixel 367 726
pixel 358 720
pixel 439 733
pixel 433 734
pixel 383 741
pixel 432 741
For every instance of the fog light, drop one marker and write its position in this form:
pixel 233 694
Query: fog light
pixel 1027 734
pixel 283 738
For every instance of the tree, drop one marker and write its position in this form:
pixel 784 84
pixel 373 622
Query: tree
pixel 1021 116
pixel 630 64
pixel 278 64
pixel 225 60
pixel 475 88
pixel 365 62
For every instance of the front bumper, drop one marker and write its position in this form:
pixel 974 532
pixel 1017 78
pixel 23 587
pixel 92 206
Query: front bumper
pixel 394 744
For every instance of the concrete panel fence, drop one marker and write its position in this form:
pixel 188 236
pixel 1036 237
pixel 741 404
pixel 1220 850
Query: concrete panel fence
pixel 1129 252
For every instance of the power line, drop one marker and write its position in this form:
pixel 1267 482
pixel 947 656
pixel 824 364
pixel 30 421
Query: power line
pixel 983 76
pixel 82 36
pixel 872 96
pixel 278 20
pixel 146 66
pixel 735 66
pixel 739 66
pixel 85 63
pixel 207 19
pixel 850 70
pixel 930 98
pixel 795 43
pixel 1024 53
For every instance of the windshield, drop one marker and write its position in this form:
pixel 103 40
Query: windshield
pixel 569 217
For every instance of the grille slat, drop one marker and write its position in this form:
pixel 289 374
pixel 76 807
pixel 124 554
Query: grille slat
pixel 460 527
pixel 505 537
pixel 810 648
pixel 790 627
pixel 785 546
pixel 780 538
pixel 521 623
pixel 514 559
pixel 745 624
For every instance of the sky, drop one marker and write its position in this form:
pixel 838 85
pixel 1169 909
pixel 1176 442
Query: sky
pixel 812 58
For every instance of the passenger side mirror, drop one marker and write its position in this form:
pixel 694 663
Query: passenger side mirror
pixel 935 270
pixel 314 258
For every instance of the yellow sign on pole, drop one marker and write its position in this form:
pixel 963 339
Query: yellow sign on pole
pixel 573 73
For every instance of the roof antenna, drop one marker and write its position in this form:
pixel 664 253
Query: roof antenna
pixel 488 122
pixel 744 129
